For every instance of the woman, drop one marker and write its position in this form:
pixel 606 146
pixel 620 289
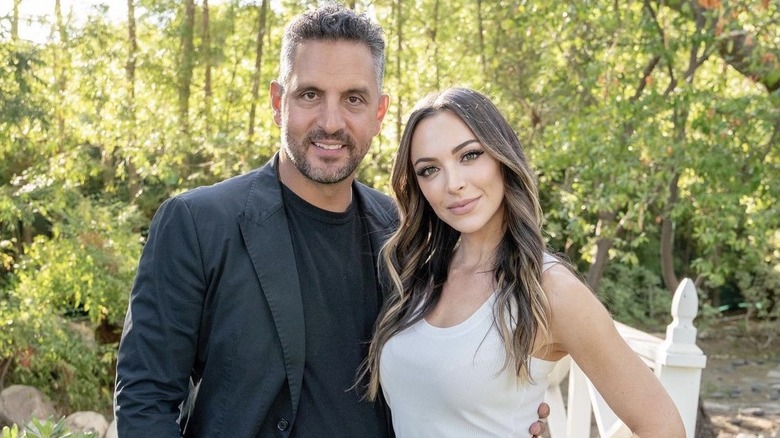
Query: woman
pixel 479 312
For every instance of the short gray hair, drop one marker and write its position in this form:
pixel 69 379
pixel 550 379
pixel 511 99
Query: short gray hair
pixel 332 22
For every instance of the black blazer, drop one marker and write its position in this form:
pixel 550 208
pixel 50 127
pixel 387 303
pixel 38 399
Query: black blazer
pixel 217 301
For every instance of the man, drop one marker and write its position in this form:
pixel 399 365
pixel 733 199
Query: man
pixel 255 297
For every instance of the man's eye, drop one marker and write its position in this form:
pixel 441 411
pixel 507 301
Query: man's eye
pixel 309 95
pixel 354 99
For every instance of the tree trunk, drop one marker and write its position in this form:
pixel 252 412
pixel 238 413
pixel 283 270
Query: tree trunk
pixel 680 119
pixel 434 33
pixel 134 184
pixel 15 26
pixel 481 35
pixel 60 69
pixel 667 237
pixel 5 363
pixel 399 107
pixel 206 49
pixel 132 51
pixel 186 65
pixel 604 242
pixel 262 16
pixel 667 223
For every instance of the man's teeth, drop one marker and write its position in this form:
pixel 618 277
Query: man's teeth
pixel 329 147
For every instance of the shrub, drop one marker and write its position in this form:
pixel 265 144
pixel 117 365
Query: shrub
pixel 48 428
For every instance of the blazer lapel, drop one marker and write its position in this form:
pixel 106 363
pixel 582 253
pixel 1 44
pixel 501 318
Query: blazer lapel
pixel 267 238
pixel 381 221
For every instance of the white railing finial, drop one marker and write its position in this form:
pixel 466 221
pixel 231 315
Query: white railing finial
pixel 685 306
pixel 679 348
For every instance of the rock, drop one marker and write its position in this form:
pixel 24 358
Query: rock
pixel 712 407
pixel 739 363
pixel 87 421
pixel 774 374
pixel 753 412
pixel 4 421
pixel 23 403
pixel 735 421
pixel 756 424
pixel 112 432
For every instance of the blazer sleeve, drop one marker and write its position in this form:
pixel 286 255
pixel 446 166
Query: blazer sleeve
pixel 160 335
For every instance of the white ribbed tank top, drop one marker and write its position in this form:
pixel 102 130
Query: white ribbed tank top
pixel 448 382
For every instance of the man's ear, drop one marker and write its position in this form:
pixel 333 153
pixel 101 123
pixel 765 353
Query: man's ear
pixel 276 91
pixel 384 104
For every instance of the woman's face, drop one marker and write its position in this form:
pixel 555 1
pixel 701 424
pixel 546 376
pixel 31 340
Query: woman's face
pixel 459 179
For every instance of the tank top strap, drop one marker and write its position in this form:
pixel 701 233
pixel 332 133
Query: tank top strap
pixel 548 261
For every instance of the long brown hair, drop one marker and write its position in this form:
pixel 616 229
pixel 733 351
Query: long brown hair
pixel 417 256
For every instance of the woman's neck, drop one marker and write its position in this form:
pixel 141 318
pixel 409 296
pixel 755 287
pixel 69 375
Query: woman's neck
pixel 476 256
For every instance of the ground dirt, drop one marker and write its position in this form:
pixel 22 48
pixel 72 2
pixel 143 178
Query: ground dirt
pixel 740 387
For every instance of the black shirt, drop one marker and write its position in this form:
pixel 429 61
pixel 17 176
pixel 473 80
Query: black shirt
pixel 341 301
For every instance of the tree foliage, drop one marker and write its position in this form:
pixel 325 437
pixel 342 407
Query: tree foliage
pixel 653 126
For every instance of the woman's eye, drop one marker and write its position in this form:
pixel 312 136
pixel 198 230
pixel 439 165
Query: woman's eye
pixel 426 171
pixel 472 155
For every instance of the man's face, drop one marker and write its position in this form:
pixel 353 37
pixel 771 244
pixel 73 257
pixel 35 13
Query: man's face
pixel 330 110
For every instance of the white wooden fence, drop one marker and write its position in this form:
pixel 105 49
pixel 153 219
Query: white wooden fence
pixel 676 360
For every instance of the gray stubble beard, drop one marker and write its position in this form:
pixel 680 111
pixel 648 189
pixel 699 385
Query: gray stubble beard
pixel 291 149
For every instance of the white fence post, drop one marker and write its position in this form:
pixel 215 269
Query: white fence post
pixel 579 402
pixel 679 360
pixel 554 397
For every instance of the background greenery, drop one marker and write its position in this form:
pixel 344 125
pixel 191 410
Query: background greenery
pixel 654 126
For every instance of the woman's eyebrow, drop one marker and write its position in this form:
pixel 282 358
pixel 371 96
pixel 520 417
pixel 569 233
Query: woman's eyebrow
pixel 454 151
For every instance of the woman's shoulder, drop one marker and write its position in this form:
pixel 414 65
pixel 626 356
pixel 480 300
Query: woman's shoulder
pixel 577 314
pixel 566 291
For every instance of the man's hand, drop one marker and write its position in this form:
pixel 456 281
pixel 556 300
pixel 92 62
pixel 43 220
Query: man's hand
pixel 540 427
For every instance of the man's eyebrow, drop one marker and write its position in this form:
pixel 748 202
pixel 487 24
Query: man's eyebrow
pixel 454 151
pixel 304 87
pixel 358 90
pixel 308 87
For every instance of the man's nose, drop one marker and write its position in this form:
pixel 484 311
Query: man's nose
pixel 331 117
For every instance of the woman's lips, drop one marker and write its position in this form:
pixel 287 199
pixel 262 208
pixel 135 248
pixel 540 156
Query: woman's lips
pixel 463 207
